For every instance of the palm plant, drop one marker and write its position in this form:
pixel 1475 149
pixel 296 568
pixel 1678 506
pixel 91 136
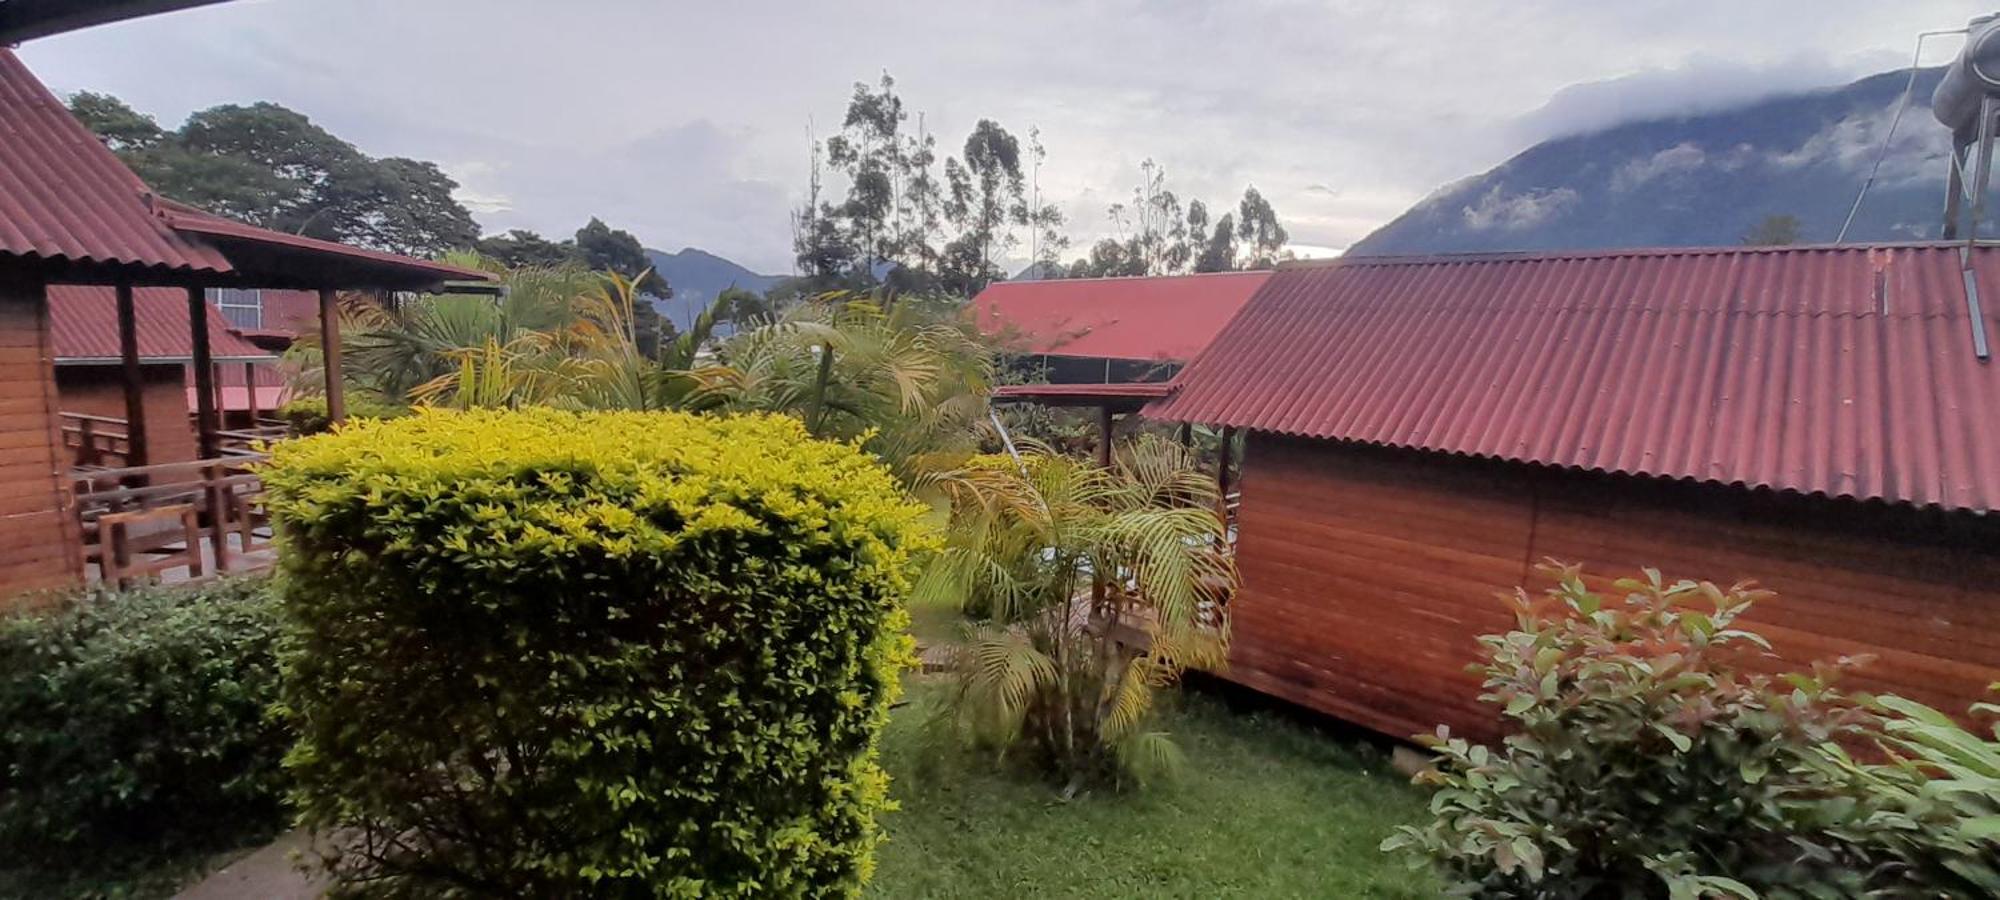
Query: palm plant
pixel 906 377
pixel 395 352
pixel 1092 588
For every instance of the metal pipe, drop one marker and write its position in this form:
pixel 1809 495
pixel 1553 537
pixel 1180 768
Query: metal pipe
pixel 1972 309
pixel 1006 440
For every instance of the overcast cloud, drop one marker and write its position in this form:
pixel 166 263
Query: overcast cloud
pixel 687 122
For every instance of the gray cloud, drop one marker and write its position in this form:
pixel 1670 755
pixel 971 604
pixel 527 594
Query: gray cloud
pixel 1682 157
pixel 686 122
pixel 1498 209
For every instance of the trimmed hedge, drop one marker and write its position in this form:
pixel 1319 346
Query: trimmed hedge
pixel 542 653
pixel 133 725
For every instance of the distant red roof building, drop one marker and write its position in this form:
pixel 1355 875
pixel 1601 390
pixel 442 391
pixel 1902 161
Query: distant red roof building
pixel 83 327
pixel 1837 371
pixel 1152 319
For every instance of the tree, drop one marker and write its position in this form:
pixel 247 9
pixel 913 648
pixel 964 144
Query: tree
pixel 404 206
pixel 903 225
pixel 1773 231
pixel 123 128
pixel 1218 253
pixel 272 166
pixel 1043 675
pixel 601 248
pixel 1257 227
pixel 521 248
pixel 1158 237
pixel 906 377
pixel 987 196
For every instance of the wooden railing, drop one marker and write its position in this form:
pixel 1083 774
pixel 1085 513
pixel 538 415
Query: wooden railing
pixel 245 441
pixel 139 521
pixel 94 441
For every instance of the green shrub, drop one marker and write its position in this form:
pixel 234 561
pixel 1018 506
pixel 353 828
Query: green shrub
pixel 133 724
pixel 553 654
pixel 1927 819
pixel 308 415
pixel 1641 763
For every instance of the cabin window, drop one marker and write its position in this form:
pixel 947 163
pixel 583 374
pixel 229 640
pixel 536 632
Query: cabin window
pixel 241 307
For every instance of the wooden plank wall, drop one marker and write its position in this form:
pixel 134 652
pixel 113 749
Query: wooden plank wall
pixel 39 545
pixel 1368 575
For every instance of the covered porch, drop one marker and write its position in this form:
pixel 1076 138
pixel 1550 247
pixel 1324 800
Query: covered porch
pixel 1117 401
pixel 99 494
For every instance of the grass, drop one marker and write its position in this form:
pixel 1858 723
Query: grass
pixel 1268 808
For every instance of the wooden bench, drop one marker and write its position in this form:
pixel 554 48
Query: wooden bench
pixel 145 542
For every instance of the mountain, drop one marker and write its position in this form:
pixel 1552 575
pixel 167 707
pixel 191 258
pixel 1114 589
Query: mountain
pixel 1701 180
pixel 697 276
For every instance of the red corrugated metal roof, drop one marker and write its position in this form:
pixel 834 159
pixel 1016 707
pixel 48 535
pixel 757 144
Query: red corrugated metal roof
pixel 83 327
pixel 64 196
pixel 1161 318
pixel 1777 368
pixel 189 220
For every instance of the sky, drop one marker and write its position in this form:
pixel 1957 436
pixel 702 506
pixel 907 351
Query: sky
pixel 688 123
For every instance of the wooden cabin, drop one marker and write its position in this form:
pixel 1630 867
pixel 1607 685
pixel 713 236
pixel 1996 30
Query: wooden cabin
pixel 1420 433
pixel 71 214
pixel 89 370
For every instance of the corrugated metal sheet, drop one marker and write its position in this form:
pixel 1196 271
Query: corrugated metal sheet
pixel 189 220
pixel 1150 319
pixel 1840 371
pixel 83 327
pixel 63 195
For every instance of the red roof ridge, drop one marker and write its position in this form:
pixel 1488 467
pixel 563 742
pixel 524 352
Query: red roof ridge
pixel 1239 273
pixel 1482 256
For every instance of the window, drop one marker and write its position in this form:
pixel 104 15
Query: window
pixel 241 307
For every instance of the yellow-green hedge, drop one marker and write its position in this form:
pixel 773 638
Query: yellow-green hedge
pixel 555 654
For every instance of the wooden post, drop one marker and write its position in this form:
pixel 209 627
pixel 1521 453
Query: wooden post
pixel 221 399
pixel 135 396
pixel 1104 436
pixel 250 390
pixel 204 373
pixel 1187 434
pixel 86 442
pixel 219 503
pixel 1222 473
pixel 329 342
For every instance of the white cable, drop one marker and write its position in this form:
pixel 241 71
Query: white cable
pixel 1909 88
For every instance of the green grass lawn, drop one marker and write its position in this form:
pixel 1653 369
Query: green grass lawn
pixel 1268 808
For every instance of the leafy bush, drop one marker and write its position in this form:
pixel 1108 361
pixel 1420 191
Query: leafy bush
pixel 1642 762
pixel 1061 671
pixel 554 654
pixel 1928 819
pixel 308 415
pixel 134 724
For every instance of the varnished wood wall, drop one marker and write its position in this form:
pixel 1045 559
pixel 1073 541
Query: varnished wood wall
pixel 39 546
pixel 1368 574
